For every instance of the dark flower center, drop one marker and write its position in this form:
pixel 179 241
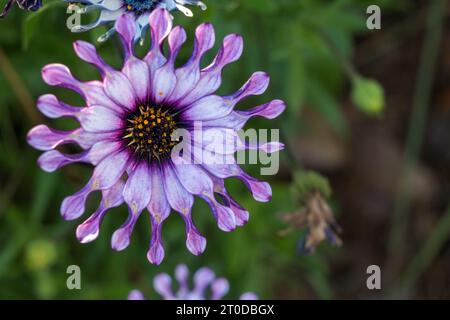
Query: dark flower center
pixel 149 132
pixel 141 6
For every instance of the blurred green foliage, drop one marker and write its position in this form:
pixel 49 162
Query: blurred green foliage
pixel 290 39
pixel 307 182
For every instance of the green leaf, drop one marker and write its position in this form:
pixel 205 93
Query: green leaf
pixel 31 23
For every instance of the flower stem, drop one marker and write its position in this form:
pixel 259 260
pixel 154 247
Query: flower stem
pixel 417 124
pixel 426 254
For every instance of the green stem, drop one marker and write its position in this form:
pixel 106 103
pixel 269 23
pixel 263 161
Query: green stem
pixel 426 254
pixel 417 123
pixel 347 66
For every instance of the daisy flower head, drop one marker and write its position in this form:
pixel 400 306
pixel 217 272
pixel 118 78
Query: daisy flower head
pixel 29 5
pixel 128 132
pixel 206 286
pixel 139 10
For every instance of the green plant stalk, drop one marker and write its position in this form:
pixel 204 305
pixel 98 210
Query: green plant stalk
pixel 19 88
pixel 417 124
pixel 426 254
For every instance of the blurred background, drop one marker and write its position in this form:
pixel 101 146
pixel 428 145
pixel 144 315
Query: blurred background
pixel 368 113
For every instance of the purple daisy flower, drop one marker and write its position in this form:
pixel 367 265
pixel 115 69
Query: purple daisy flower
pixel 204 281
pixel 127 129
pixel 30 5
pixel 140 10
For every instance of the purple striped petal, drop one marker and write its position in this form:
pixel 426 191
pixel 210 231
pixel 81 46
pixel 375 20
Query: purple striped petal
pixel 242 215
pixel 120 90
pixel 155 253
pixel 105 175
pixel 256 85
pixel 189 74
pixel 164 80
pixel 270 147
pixel 261 190
pixel 211 76
pixel 120 239
pixel 102 149
pixel 109 170
pixel 207 108
pixel 88 231
pixel 95 94
pixel 137 195
pixel 51 107
pixel 159 210
pixel 222 140
pixel 179 199
pixel 182 201
pixel 160 26
pixel 100 119
pixel 73 206
pixel 237 119
pixel 197 182
pixel 194 179
pixel 135 69
pixel 87 52
pixel 44 138
pixel 269 110
pixel 139 75
pixel 207 157
pixel 226 220
pixel 59 75
pixel 138 187
pixel 52 160
pixel 126 28
pixel 158 205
